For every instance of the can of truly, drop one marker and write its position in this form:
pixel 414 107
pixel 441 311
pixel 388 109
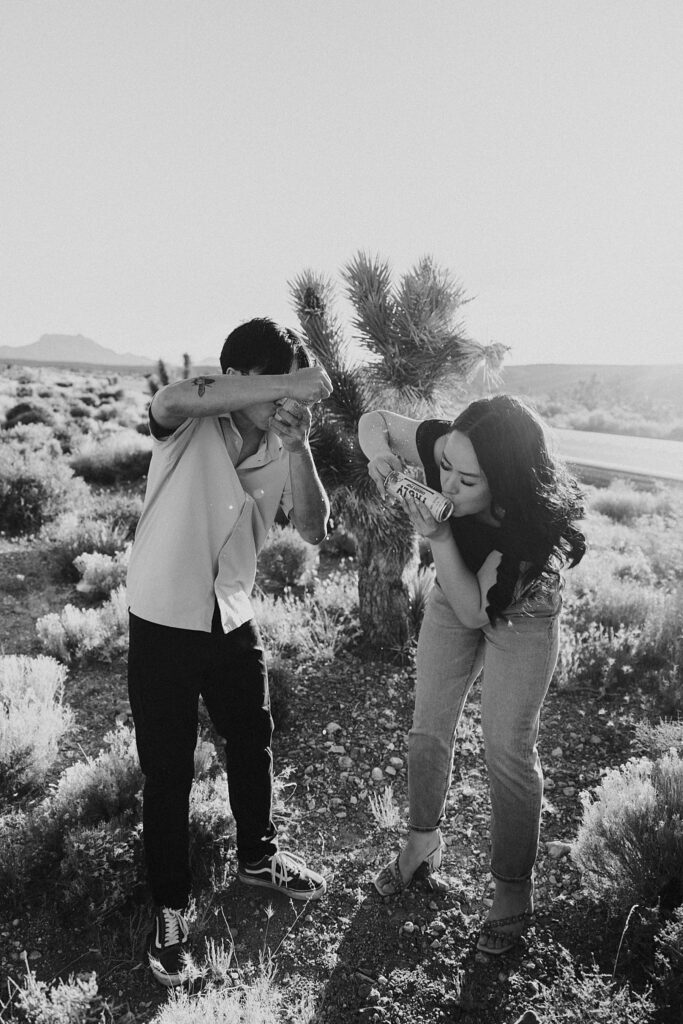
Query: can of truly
pixel 403 486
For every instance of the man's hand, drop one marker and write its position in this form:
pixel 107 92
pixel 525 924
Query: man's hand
pixel 293 426
pixel 311 384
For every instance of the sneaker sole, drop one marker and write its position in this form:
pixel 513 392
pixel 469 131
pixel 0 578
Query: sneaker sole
pixel 168 980
pixel 306 897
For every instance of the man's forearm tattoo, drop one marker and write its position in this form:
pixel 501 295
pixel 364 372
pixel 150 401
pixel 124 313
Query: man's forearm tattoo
pixel 202 383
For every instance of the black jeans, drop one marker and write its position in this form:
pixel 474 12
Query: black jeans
pixel 168 669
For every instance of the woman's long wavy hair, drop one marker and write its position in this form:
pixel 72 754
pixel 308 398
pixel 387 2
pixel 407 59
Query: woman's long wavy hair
pixel 535 499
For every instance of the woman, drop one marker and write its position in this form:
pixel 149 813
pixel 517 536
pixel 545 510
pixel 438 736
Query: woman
pixel 494 606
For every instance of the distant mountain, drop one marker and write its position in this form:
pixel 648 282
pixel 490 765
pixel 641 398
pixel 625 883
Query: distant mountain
pixel 70 348
pixel 650 382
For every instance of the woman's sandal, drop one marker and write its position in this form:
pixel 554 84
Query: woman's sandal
pixel 495 930
pixel 390 881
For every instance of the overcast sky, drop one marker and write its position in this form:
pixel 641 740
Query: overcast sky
pixel 168 165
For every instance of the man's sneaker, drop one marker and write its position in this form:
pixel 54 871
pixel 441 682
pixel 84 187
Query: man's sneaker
pixel 285 873
pixel 166 947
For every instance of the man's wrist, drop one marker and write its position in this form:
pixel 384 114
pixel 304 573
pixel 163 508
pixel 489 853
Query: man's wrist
pixel 302 449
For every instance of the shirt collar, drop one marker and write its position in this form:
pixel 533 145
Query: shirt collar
pixel 269 449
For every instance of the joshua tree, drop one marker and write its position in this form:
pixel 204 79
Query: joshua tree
pixel 159 379
pixel 417 352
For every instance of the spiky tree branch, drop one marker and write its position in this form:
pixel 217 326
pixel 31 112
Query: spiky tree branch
pixel 417 347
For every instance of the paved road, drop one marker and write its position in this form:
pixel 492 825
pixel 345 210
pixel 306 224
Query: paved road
pixel 644 456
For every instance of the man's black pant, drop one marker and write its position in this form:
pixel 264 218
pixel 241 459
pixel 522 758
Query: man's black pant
pixel 167 671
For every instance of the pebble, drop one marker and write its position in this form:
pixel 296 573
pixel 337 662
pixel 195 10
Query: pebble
pixel 345 762
pixel 558 849
pixel 337 749
pixel 332 727
pixel 377 774
pixel 389 770
pixel 397 762
pixel 569 790
pixel 557 752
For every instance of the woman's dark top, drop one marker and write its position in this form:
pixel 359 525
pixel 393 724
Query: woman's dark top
pixel 475 540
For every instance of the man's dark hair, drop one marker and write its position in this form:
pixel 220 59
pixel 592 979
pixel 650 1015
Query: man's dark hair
pixel 263 345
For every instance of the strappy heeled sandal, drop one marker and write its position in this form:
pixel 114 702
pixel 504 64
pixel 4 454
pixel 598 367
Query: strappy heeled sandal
pixel 389 881
pixel 496 930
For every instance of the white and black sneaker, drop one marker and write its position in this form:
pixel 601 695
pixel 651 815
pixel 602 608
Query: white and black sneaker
pixel 167 947
pixel 285 873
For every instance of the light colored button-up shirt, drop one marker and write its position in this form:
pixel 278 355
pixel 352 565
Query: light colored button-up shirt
pixel 203 523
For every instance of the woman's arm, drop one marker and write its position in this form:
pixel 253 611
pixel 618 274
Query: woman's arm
pixel 465 591
pixel 389 442
pixel 215 396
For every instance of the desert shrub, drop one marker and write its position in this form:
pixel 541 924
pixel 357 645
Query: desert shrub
pixel 72 534
pixel 101 868
pixel 122 510
pixel 298 628
pixel 630 842
pixel 599 657
pixel 88 827
pixel 668 962
pixel 610 602
pixel 79 411
pixel 657 739
pixel 32 718
pixel 77 633
pixel 670 690
pixel 34 488
pixel 211 824
pixel 626 504
pixel 108 787
pixel 87 398
pixel 586 996
pixel 628 423
pixel 98 789
pixel 100 573
pixel 35 438
pixel 15 857
pixel 101 864
pixel 286 560
pixel 315 628
pixel 228 996
pixel 123 455
pixel 26 413
pixel 384 809
pixel 76 1001
pixel 662 629
pixel 337 595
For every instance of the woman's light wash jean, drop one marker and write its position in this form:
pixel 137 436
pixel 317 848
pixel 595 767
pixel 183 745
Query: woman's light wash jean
pixel 518 659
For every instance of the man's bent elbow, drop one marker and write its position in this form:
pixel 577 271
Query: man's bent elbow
pixel 313 531
pixel 168 405
pixel 314 535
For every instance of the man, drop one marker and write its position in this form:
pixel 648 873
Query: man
pixel 226 456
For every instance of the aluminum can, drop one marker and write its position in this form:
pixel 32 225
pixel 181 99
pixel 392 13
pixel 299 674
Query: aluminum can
pixel 404 486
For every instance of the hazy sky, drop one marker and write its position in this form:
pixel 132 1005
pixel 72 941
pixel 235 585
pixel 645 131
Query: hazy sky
pixel 168 165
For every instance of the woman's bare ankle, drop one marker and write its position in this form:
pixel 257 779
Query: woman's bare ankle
pixel 418 847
